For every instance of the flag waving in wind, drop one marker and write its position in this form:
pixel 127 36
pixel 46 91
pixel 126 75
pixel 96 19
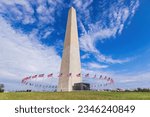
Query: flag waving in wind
pixel 94 76
pixel 41 75
pixel 34 76
pixel 70 74
pixel 100 77
pixel 60 75
pixel 87 75
pixel 112 81
pixel 78 75
pixel 108 79
pixel 50 75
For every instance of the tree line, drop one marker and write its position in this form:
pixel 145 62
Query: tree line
pixel 1 87
pixel 139 90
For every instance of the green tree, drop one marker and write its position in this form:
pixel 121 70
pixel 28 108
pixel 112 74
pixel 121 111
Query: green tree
pixel 1 87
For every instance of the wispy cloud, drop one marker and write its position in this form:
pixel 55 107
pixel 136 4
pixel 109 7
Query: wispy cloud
pixel 110 24
pixel 133 80
pixel 21 56
pixel 19 10
pixel 40 14
pixel 108 59
pixel 94 65
pixel 21 52
pixel 82 6
pixel 85 56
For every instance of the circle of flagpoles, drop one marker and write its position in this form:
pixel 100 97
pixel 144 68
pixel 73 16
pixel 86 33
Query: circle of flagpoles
pixel 48 82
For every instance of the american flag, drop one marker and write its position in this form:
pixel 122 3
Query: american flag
pixel 100 77
pixel 30 84
pixel 94 76
pixel 26 78
pixel 105 77
pixel 34 76
pixel 111 81
pixel 78 75
pixel 50 75
pixel 22 81
pixel 69 74
pixel 87 75
pixel 41 75
pixel 108 79
pixel 60 74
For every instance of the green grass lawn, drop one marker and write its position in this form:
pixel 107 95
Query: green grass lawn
pixel 81 95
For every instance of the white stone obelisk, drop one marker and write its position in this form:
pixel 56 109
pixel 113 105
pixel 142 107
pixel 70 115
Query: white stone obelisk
pixel 70 64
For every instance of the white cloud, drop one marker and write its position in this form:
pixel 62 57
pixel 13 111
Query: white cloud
pixel 25 14
pixel 82 4
pixel 88 40
pixel 82 27
pixel 21 56
pixel 85 56
pixel 46 15
pixel 83 7
pixel 108 59
pixel 117 14
pixel 86 43
pixel 47 10
pixel 134 6
pixel 94 65
pixel 47 34
pixel 132 80
pixel 28 20
pixel 78 3
pixel 23 3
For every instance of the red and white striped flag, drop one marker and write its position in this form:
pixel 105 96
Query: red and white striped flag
pixel 112 81
pixel 105 77
pixel 100 77
pixel 87 75
pixel 70 74
pixel 108 79
pixel 23 80
pixel 60 75
pixel 94 76
pixel 41 75
pixel 34 76
pixel 50 75
pixel 78 75
pixel 26 78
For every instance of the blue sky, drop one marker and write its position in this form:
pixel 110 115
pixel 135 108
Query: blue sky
pixel 114 39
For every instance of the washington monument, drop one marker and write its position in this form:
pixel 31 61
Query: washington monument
pixel 70 64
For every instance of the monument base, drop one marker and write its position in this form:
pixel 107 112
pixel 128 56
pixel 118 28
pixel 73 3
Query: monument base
pixel 81 86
